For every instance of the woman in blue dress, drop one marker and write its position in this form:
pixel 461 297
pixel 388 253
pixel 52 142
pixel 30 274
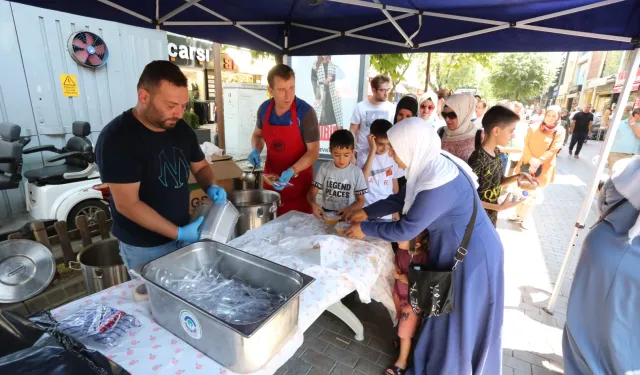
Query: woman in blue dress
pixel 438 197
pixel 603 323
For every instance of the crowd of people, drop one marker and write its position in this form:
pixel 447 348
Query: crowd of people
pixel 427 174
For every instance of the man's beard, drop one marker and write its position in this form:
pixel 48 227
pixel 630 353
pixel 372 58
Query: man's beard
pixel 150 115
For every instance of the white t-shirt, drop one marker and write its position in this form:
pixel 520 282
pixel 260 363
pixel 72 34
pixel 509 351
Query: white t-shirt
pixel 383 171
pixel 364 114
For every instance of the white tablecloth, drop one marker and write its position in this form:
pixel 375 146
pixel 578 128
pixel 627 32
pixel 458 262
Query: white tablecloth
pixel 338 264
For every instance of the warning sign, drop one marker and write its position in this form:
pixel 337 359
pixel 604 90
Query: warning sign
pixel 69 85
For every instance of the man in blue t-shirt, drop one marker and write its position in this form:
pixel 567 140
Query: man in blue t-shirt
pixel 288 127
pixel 145 155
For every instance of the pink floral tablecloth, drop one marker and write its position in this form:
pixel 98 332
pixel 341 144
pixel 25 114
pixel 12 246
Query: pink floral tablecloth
pixel 295 240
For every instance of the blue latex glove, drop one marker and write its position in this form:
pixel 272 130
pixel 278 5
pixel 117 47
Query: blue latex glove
pixel 254 158
pixel 285 177
pixel 217 194
pixel 190 232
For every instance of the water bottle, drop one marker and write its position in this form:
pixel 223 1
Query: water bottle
pixel 518 197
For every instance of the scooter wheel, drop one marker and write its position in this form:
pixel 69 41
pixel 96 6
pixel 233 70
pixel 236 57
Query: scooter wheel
pixel 88 208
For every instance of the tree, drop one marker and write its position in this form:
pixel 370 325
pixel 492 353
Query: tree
pixel 457 70
pixel 519 76
pixel 259 55
pixel 393 65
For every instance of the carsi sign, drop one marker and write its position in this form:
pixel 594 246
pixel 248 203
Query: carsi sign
pixel 185 51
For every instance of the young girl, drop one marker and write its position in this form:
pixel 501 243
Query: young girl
pixel 408 320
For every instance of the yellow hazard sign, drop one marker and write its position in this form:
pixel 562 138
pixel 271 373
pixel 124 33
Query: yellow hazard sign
pixel 69 85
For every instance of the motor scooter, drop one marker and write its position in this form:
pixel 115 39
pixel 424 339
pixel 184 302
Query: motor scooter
pixel 68 190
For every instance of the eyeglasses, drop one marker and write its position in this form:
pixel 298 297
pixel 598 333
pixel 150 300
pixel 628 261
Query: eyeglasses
pixel 451 115
pixel 383 90
pixel 430 107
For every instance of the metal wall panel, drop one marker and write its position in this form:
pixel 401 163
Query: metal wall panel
pixel 35 54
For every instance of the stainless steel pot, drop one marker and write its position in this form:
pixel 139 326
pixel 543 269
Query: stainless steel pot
pixel 257 207
pixel 101 266
pixel 249 180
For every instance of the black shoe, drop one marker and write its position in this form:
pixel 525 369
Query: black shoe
pixel 570 152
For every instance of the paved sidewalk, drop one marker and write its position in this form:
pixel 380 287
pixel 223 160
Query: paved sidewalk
pixel 532 339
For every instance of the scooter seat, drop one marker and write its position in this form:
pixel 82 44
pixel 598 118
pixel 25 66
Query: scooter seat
pixel 52 175
pixel 7 183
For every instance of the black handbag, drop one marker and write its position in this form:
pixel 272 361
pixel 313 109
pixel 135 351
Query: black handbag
pixel 433 291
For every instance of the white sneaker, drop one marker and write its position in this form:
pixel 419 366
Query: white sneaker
pixel 515 218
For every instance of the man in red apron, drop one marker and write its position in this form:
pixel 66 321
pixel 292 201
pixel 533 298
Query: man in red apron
pixel 288 126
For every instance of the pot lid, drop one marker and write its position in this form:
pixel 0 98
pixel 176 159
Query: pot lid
pixel 26 268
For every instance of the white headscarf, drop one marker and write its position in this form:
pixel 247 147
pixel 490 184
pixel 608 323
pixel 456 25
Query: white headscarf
pixel 626 179
pixel 430 95
pixel 464 105
pixel 418 146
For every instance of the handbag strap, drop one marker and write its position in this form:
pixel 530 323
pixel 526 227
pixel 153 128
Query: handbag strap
pixel 462 249
pixel 610 210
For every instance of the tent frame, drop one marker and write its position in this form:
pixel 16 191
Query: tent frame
pixel 376 4
pixel 411 45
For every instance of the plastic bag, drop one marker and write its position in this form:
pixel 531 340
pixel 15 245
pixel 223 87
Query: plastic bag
pixel 37 347
pixel 99 325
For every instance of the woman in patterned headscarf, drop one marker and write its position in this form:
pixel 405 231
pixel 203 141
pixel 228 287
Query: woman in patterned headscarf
pixel 460 137
pixel 328 104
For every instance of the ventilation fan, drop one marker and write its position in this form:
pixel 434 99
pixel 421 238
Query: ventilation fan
pixel 88 49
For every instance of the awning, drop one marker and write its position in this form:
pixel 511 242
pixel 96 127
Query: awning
pixel 314 27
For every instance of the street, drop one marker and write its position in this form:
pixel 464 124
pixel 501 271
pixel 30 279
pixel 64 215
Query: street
pixel 532 338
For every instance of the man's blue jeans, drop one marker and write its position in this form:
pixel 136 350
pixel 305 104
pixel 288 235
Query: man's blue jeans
pixel 135 257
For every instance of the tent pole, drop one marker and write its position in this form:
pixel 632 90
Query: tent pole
pixel 604 152
pixel 285 51
pixel 157 14
pixel 217 71
pixel 428 79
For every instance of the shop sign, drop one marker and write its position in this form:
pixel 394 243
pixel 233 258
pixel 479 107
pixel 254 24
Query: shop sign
pixel 618 89
pixel 620 78
pixel 185 51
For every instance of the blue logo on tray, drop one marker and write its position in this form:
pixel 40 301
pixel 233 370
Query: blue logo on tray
pixel 190 324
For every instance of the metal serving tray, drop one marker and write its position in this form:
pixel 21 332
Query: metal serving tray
pixel 240 348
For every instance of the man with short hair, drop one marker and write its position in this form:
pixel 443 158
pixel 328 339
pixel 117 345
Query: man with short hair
pixel 481 108
pixel 627 139
pixel 580 128
pixel 288 126
pixel 369 110
pixel 145 155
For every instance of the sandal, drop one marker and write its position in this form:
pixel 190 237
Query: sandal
pixel 396 371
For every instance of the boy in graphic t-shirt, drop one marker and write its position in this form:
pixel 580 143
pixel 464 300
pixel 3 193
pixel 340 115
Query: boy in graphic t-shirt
pixel 499 125
pixel 342 183
pixel 379 169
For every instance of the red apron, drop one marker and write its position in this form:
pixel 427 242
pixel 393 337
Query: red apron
pixel 285 147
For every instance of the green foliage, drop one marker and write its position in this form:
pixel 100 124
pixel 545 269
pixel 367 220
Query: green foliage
pixel 519 76
pixel 259 55
pixel 192 119
pixel 456 70
pixel 392 65
pixel 611 63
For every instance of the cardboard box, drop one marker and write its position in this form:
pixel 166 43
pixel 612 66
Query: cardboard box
pixel 224 171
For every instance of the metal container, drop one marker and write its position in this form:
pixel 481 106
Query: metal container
pixel 26 268
pixel 219 220
pixel 257 207
pixel 240 348
pixel 101 266
pixel 249 180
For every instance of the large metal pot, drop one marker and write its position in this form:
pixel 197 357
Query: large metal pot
pixel 249 180
pixel 101 266
pixel 257 207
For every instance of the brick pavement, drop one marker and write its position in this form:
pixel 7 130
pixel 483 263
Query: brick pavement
pixel 532 339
